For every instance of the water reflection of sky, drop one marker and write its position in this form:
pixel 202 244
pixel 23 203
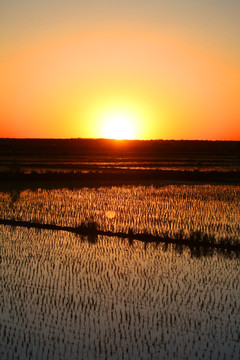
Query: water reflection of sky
pixel 44 165
pixel 65 297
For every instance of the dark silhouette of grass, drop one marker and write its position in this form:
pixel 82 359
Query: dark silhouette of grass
pixel 91 229
pixel 88 227
pixel 77 179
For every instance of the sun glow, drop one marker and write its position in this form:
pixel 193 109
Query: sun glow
pixel 118 117
pixel 119 125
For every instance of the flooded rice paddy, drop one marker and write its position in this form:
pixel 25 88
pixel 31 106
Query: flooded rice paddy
pixel 64 297
pixel 168 210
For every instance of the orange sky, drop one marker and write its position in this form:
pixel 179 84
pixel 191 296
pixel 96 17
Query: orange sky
pixel 64 69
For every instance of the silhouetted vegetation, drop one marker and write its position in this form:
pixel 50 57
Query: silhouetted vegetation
pixel 112 148
pixel 91 230
pixel 75 179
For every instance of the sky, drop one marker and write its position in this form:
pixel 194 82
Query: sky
pixel 140 69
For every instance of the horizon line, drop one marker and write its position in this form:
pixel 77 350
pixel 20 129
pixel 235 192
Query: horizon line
pixel 117 140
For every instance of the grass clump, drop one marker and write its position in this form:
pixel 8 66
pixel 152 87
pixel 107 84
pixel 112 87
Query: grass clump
pixel 88 227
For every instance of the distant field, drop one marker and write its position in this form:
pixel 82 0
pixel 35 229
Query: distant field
pixel 118 162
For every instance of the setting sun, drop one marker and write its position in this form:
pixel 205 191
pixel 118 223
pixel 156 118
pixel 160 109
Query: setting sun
pixel 119 125
pixel 117 117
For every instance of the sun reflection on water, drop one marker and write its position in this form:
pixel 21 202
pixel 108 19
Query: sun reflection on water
pixel 110 214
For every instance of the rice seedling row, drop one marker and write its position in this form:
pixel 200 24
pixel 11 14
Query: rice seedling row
pixel 204 211
pixel 63 297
